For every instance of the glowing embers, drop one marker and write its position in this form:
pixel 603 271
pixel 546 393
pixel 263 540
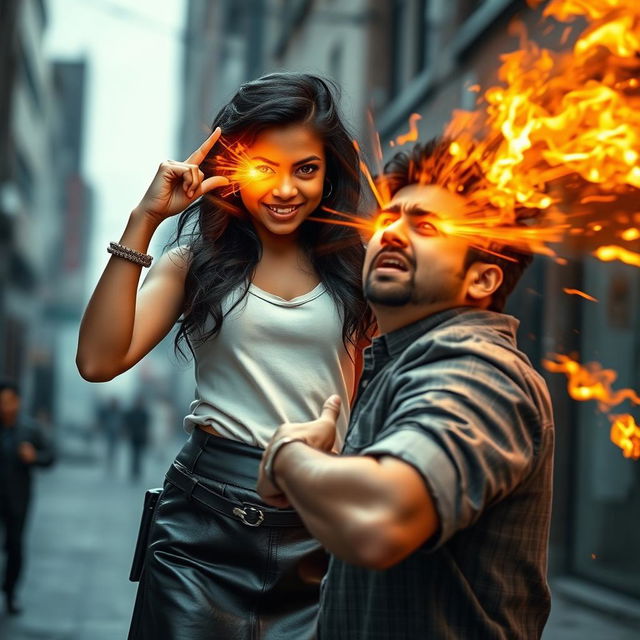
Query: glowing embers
pixel 626 434
pixel 411 135
pixel 608 253
pixel 577 292
pixel 630 234
pixel 592 382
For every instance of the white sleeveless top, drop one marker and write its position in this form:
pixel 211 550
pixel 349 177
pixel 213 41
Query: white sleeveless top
pixel 273 361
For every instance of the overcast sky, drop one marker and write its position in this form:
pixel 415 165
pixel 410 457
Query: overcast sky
pixel 134 57
pixel 134 54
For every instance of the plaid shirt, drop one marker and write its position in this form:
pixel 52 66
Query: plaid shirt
pixel 452 396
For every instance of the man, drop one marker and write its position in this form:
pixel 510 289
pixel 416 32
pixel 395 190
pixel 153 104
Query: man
pixel 110 421
pixel 136 422
pixel 437 513
pixel 23 445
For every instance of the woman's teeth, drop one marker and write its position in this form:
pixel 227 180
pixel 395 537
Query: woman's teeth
pixel 283 210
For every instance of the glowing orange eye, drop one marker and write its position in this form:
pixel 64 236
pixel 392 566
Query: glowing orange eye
pixel 427 227
pixel 385 220
pixel 263 169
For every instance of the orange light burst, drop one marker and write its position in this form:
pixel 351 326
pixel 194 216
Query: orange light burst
pixel 582 294
pixel 625 433
pixel 236 165
pixel 411 135
pixel 608 253
pixel 364 225
pixel 381 195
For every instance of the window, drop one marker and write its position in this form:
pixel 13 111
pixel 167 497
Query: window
pixel 409 27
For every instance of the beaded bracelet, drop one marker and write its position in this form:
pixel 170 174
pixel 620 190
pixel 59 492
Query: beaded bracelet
pixel 137 257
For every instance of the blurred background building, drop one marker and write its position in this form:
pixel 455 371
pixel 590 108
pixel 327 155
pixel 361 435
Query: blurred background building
pixel 45 214
pixel 398 57
pixel 392 58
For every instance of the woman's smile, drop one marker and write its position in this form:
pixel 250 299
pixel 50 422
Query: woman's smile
pixel 283 213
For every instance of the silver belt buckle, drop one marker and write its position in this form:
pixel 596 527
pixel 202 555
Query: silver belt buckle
pixel 249 515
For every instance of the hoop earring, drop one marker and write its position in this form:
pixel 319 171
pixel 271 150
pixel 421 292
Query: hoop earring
pixel 327 195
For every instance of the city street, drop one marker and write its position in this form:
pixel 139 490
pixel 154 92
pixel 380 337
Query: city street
pixel 80 542
pixel 81 537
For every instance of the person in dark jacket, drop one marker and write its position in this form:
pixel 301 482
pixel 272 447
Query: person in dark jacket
pixel 136 423
pixel 23 445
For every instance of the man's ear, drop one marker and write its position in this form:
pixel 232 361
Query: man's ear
pixel 483 280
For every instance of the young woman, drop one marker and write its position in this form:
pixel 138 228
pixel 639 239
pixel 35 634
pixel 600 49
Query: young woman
pixel 271 307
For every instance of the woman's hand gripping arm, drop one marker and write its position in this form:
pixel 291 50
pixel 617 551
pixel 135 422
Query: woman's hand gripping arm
pixel 121 324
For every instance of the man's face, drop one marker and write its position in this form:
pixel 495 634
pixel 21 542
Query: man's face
pixel 9 406
pixel 410 264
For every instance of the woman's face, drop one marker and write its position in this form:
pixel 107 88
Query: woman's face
pixel 287 168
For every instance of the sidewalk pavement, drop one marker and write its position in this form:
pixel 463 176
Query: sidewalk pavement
pixel 81 536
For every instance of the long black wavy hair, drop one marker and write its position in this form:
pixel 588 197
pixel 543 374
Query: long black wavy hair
pixel 224 246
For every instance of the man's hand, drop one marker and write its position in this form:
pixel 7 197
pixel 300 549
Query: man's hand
pixel 27 453
pixel 319 434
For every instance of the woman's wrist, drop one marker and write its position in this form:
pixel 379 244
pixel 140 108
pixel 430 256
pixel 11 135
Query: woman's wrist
pixel 276 447
pixel 139 231
pixel 144 218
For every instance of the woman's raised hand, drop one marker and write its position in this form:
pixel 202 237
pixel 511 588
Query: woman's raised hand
pixel 177 184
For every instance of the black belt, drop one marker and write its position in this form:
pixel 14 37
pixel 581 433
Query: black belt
pixel 252 515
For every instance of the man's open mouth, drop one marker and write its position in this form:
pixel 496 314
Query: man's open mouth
pixel 392 261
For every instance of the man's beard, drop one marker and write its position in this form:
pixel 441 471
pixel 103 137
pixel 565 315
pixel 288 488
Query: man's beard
pixel 402 294
pixel 398 295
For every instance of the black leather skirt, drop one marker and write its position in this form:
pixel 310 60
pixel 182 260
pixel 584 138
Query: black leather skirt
pixel 247 573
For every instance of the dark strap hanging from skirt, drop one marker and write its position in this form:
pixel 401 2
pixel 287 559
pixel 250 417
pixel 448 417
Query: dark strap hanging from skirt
pixel 250 514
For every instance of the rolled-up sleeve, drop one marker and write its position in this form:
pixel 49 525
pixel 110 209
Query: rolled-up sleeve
pixel 469 428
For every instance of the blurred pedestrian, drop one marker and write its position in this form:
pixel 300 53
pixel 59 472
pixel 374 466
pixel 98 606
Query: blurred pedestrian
pixel 136 425
pixel 23 445
pixel 110 422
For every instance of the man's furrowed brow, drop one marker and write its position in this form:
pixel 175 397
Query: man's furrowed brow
pixel 415 211
pixel 409 209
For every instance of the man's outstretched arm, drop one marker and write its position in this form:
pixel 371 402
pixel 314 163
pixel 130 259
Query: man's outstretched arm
pixel 368 511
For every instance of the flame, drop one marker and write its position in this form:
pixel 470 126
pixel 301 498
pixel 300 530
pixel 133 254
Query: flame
pixel 412 134
pixel 552 143
pixel 592 382
pixel 625 433
pixel 608 253
pixel 576 292
pixel 559 120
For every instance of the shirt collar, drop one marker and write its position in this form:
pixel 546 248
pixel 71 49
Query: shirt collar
pixel 395 342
